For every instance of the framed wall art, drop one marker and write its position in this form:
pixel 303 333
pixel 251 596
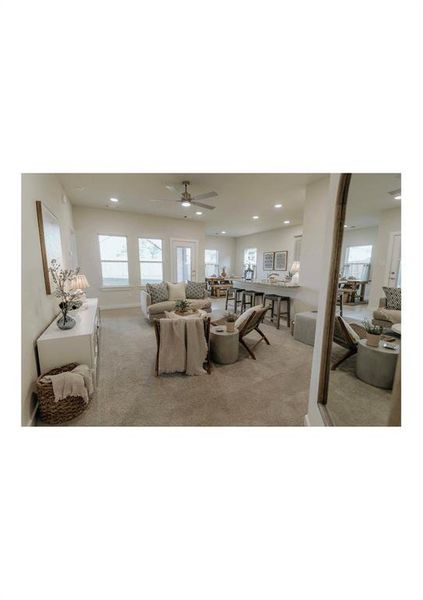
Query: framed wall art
pixel 268 261
pixel 281 260
pixel 50 241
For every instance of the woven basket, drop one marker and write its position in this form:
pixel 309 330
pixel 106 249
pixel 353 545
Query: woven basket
pixel 55 412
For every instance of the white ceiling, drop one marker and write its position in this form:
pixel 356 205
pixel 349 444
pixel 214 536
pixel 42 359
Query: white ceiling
pixel 369 196
pixel 240 196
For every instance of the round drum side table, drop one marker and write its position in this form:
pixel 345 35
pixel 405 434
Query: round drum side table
pixel 376 365
pixel 224 346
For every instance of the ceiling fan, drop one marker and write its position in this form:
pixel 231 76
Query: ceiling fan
pixel 186 199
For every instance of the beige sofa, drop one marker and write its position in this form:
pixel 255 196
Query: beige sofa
pixel 384 316
pixel 157 310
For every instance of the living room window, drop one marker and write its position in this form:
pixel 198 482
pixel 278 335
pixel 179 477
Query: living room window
pixel 114 260
pixel 151 260
pixel 250 258
pixel 211 261
pixel 357 262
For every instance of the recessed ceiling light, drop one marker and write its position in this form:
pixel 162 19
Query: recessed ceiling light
pixel 255 217
pixel 287 222
pixel 278 205
pixel 114 200
pixel 223 232
pixel 198 212
pixel 397 197
pixel 186 203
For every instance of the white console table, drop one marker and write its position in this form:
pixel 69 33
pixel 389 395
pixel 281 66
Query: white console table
pixel 57 347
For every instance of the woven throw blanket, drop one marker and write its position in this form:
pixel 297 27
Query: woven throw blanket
pixel 196 346
pixel 172 351
pixel 78 382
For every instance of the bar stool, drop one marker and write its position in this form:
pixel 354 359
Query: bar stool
pixel 234 294
pixel 249 297
pixel 275 299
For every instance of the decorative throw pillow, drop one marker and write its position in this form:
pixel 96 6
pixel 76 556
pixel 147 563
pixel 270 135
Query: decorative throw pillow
pixel 176 291
pixel 158 292
pixel 393 298
pixel 195 290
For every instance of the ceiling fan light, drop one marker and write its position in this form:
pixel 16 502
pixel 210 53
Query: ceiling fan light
pixel 186 203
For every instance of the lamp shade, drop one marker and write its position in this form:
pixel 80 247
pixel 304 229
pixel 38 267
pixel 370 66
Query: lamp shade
pixel 80 282
pixel 295 266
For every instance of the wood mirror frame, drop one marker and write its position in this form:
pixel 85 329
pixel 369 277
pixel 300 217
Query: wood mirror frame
pixel 330 310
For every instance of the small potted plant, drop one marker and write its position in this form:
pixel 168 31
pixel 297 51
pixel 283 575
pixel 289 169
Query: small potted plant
pixel 230 322
pixel 373 333
pixel 182 307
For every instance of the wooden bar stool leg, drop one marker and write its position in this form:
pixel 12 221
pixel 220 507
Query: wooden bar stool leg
pixel 278 314
pixel 288 310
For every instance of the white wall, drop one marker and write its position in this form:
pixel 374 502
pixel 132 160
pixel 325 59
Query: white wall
pixel 267 241
pixel 227 252
pixel 390 222
pixel 89 222
pixel 314 238
pixel 325 225
pixel 313 232
pixel 366 236
pixel 39 309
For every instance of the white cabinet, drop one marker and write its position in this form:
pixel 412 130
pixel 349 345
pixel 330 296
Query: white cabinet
pixel 79 344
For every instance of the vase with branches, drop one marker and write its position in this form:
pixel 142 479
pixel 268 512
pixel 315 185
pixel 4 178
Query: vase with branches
pixel 68 299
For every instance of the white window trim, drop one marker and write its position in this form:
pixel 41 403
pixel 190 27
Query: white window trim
pixel 156 262
pixel 354 262
pixel 108 288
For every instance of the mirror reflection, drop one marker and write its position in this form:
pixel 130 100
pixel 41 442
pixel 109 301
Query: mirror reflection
pixel 367 335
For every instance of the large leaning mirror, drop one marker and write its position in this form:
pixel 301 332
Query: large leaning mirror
pixel 363 354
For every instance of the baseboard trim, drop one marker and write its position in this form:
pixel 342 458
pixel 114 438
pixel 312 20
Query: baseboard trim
pixel 116 306
pixel 307 421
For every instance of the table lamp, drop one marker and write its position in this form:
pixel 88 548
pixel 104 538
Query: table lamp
pixel 80 282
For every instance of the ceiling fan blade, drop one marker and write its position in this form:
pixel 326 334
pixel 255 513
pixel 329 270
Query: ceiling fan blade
pixel 176 189
pixel 202 205
pixel 205 196
pixel 163 200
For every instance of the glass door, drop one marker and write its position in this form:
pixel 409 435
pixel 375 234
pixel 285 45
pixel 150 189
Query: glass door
pixel 184 261
pixel 394 277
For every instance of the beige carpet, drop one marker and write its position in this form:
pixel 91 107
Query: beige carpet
pixel 273 390
pixel 352 402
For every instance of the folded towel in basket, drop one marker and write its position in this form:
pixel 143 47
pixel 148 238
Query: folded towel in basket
pixel 72 383
pixel 87 374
